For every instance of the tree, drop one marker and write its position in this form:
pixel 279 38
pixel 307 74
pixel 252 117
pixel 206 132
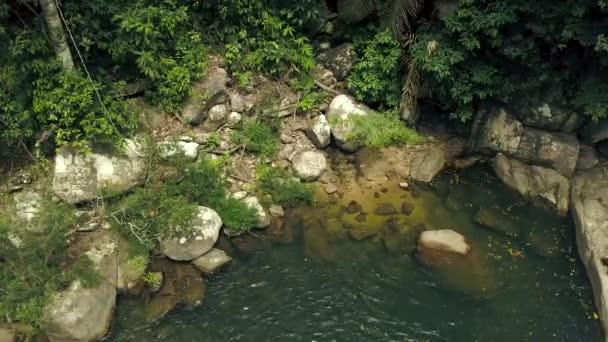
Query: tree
pixel 56 32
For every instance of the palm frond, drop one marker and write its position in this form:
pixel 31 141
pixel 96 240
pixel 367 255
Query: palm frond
pixel 357 10
pixel 400 15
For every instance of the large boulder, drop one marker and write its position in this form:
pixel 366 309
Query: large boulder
pixel 109 254
pixel 341 109
pixel 79 313
pixel 532 180
pixel 202 235
pixel 309 165
pixel 551 117
pixel 427 165
pixel 500 132
pixel 444 240
pixel 319 132
pixel 590 211
pixel 558 151
pixel 78 177
pixel 212 261
pixel 205 94
pixel 339 60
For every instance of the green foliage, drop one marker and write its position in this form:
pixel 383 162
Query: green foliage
pixel 375 78
pixel 282 188
pixel 261 38
pixel 593 98
pixel 34 263
pixel 380 129
pixel 160 41
pixel 205 183
pixel 258 137
pixel 153 279
pixel 69 105
pixel 151 213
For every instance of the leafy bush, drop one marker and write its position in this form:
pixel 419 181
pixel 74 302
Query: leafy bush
pixel 375 78
pixel 34 264
pixel 381 129
pixel 258 137
pixel 205 183
pixel 282 188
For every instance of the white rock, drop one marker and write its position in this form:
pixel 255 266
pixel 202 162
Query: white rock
pixel 341 109
pixel 445 240
pixel 27 204
pixel 276 211
pixel 212 261
pixel 171 148
pixel 309 165
pixel 239 195
pixel 263 216
pixel 320 132
pixel 205 229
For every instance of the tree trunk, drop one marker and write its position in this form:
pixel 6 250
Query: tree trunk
pixel 57 33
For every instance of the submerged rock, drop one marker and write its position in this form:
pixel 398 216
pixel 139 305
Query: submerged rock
pixel 309 165
pixel 407 208
pixel 205 229
pixel 590 212
pixel 385 209
pixel 212 261
pixel 444 240
pixel 497 221
pixel 531 180
pixel 353 207
pixel 79 313
pixel 341 109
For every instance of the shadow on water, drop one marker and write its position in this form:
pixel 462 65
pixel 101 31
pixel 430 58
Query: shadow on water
pixel 351 273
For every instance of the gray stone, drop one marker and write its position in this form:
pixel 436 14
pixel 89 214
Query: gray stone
pixel 339 60
pixel 532 180
pixel 169 149
pixel 79 313
pixel 263 216
pixel 589 200
pixel 331 188
pixel 205 94
pixel 341 109
pixel 237 102
pixel 427 165
pixel 276 211
pixel 500 132
pixel 558 151
pixel 239 195
pixel 27 205
pixel 79 178
pixel 199 239
pixel 212 261
pixel 233 119
pixel 587 158
pixel 150 117
pixel 324 76
pixel 445 240
pixel 551 117
pixel 309 165
pixel 320 132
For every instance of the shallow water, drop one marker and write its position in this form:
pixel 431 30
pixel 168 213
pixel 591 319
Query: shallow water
pixel 326 286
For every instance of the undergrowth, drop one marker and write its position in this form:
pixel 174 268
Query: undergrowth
pixel 280 187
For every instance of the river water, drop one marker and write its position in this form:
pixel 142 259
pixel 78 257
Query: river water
pixel 337 275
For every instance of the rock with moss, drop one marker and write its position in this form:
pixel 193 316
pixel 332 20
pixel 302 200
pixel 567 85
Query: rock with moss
pixel 263 218
pixel 80 313
pixel 341 109
pixel 79 178
pixel 309 165
pixel 196 240
pixel 339 60
pixel 205 94
pixel 212 261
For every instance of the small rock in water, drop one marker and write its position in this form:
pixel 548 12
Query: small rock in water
pixel 362 217
pixel 331 188
pixel 416 192
pixel 384 190
pixel 385 209
pixel 404 185
pixel 407 208
pixel 276 211
pixel 212 261
pixel 445 240
pixel 376 195
pixel 353 207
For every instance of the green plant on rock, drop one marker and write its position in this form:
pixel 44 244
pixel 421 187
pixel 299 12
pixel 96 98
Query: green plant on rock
pixel 35 265
pixel 375 78
pixel 280 187
pixel 380 129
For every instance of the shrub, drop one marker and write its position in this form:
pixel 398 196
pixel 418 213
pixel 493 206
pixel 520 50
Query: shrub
pixel 381 129
pixel 205 183
pixel 280 187
pixel 258 137
pixel 34 264
pixel 375 77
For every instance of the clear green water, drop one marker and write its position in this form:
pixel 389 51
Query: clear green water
pixel 325 286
